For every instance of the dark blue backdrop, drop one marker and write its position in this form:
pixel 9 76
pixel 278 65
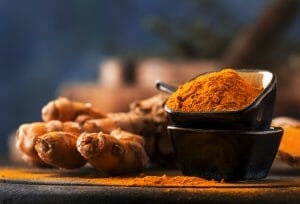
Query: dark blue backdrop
pixel 46 43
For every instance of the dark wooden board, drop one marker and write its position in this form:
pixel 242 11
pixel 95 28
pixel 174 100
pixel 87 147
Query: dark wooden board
pixel 28 193
pixel 281 186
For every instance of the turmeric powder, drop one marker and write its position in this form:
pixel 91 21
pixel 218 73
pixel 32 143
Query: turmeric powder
pixel 218 91
pixel 88 177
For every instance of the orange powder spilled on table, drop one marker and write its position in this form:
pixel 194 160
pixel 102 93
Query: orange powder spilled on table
pixel 79 177
pixel 218 91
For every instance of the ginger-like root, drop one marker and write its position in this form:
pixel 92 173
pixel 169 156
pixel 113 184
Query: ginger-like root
pixel 289 149
pixel 65 110
pixel 105 125
pixel 146 118
pixel 27 135
pixel 59 149
pixel 286 121
pixel 81 119
pixel 141 125
pixel 125 121
pixel 118 153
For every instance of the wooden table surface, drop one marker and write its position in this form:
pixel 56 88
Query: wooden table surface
pixel 281 186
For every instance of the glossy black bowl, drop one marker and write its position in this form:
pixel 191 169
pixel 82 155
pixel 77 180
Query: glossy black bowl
pixel 233 155
pixel 256 116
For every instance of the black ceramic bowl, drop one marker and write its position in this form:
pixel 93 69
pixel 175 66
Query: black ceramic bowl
pixel 233 155
pixel 257 116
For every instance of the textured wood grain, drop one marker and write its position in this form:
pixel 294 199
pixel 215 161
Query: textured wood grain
pixel 282 186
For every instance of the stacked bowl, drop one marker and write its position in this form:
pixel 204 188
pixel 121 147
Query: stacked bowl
pixel 231 145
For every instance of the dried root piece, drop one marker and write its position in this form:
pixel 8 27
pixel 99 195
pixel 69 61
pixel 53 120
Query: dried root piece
pixel 59 149
pixel 146 118
pixel 285 121
pixel 151 106
pixel 81 119
pixel 26 137
pixel 65 110
pixel 105 125
pixel 289 149
pixel 118 153
pixel 127 137
pixel 112 151
pixel 28 134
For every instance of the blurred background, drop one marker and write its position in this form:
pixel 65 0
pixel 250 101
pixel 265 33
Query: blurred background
pixel 111 52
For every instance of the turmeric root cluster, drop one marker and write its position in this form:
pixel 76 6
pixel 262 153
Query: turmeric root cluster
pixel 73 133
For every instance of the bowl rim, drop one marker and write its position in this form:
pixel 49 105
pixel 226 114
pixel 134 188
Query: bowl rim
pixel 271 130
pixel 258 99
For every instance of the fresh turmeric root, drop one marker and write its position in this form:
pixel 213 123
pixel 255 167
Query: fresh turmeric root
pixel 65 110
pixel 26 137
pixel 105 125
pixel 103 139
pixel 146 118
pixel 118 153
pixel 59 149
pixel 289 149
pixel 28 134
pixel 54 143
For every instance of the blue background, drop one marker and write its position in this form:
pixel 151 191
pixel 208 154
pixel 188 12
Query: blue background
pixel 44 44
